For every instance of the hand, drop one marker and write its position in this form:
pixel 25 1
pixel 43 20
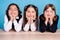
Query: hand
pixel 51 20
pixel 32 18
pixel 30 21
pixel 12 18
pixel 46 19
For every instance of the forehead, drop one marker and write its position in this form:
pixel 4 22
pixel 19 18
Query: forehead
pixel 31 8
pixel 13 6
pixel 49 8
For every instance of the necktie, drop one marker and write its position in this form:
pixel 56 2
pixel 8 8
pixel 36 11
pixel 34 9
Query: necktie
pixel 13 26
pixel 29 27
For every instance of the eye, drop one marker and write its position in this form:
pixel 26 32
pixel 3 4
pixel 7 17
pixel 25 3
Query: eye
pixel 10 9
pixel 47 11
pixel 15 10
pixel 28 11
pixel 32 11
pixel 51 11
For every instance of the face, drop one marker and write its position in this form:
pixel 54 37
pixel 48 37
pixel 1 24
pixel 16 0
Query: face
pixel 30 13
pixel 13 11
pixel 49 12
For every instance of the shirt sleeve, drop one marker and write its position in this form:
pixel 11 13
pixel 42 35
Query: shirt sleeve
pixel 33 27
pixel 26 28
pixel 7 24
pixel 18 26
pixel 53 27
pixel 42 24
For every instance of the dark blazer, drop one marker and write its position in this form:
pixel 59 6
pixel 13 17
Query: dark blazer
pixel 50 28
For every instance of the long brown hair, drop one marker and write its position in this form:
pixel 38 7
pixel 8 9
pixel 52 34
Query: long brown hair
pixel 53 8
pixel 25 19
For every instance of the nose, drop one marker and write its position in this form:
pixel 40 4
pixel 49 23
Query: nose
pixel 31 14
pixel 12 11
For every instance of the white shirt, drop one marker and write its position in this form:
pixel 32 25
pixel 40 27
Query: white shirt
pixel 8 24
pixel 31 26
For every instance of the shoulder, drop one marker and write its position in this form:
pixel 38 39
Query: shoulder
pixel 41 16
pixel 21 19
pixel 5 16
pixel 20 16
pixel 57 16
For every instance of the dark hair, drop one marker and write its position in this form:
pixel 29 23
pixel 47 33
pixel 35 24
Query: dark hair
pixel 52 7
pixel 19 12
pixel 25 9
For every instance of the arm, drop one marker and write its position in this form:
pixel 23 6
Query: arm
pixel 42 24
pixel 53 27
pixel 7 24
pixel 26 28
pixel 18 26
pixel 33 27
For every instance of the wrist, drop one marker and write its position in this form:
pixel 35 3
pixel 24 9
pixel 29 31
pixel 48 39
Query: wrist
pixel 46 22
pixel 51 22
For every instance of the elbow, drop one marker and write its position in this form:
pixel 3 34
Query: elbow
pixel 17 29
pixel 53 30
pixel 6 30
pixel 33 30
pixel 25 29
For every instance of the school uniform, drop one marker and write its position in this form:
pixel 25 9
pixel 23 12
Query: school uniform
pixel 50 28
pixel 30 27
pixel 16 24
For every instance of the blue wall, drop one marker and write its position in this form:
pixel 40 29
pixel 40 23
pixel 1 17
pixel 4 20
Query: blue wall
pixel 21 3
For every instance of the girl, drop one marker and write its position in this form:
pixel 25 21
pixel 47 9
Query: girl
pixel 13 18
pixel 49 19
pixel 30 18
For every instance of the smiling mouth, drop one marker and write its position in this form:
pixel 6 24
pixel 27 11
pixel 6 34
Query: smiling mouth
pixel 48 15
pixel 29 16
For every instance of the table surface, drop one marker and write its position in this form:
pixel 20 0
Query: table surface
pixel 11 35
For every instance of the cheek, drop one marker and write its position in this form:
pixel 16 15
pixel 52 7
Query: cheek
pixel 9 12
pixel 27 14
pixel 16 13
pixel 34 14
pixel 45 13
pixel 53 14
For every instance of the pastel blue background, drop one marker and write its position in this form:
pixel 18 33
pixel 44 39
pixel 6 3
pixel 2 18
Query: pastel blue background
pixel 21 3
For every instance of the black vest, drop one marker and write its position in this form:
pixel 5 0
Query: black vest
pixel 20 16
